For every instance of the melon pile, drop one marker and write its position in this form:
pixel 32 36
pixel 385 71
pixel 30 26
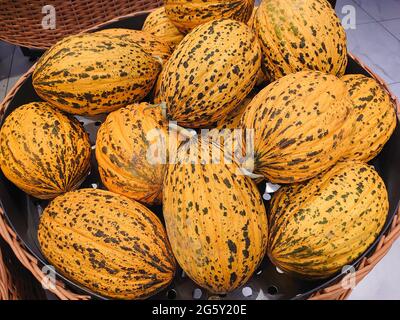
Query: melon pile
pixel 173 94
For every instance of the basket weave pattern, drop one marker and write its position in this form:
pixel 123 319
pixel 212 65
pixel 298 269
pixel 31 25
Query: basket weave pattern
pixel 7 287
pixel 21 21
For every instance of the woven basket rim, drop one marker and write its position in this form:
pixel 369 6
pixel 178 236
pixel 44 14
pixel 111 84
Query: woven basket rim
pixel 8 290
pixel 21 26
pixel 335 291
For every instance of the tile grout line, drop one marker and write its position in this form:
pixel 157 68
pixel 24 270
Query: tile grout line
pixel 383 26
pixel 379 22
pixel 376 21
pixel 365 11
pixel 364 23
pixel 358 7
pixel 372 17
pixel 391 19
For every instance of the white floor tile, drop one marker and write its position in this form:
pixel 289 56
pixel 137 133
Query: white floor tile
pixel 381 9
pixel 20 65
pixel 393 26
pixel 383 282
pixel 361 15
pixel 377 48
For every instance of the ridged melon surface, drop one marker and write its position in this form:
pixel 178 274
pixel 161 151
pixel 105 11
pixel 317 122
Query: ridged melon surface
pixel 188 14
pixel 158 24
pixel 299 35
pixel 374 117
pixel 149 43
pixel 43 151
pixel 123 150
pixel 301 125
pixel 90 74
pixel 210 73
pixel 215 219
pixel 107 243
pixel 321 225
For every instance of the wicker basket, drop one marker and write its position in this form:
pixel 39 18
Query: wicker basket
pixel 16 282
pixel 7 289
pixel 21 21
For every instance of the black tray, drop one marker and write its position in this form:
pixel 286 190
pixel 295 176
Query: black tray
pixel 23 212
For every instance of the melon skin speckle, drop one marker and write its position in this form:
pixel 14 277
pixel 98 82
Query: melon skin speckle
pixel 319 226
pixel 300 35
pixel 110 244
pixel 90 74
pixel 43 151
pixel 210 73
pixel 216 220
pixel 188 14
